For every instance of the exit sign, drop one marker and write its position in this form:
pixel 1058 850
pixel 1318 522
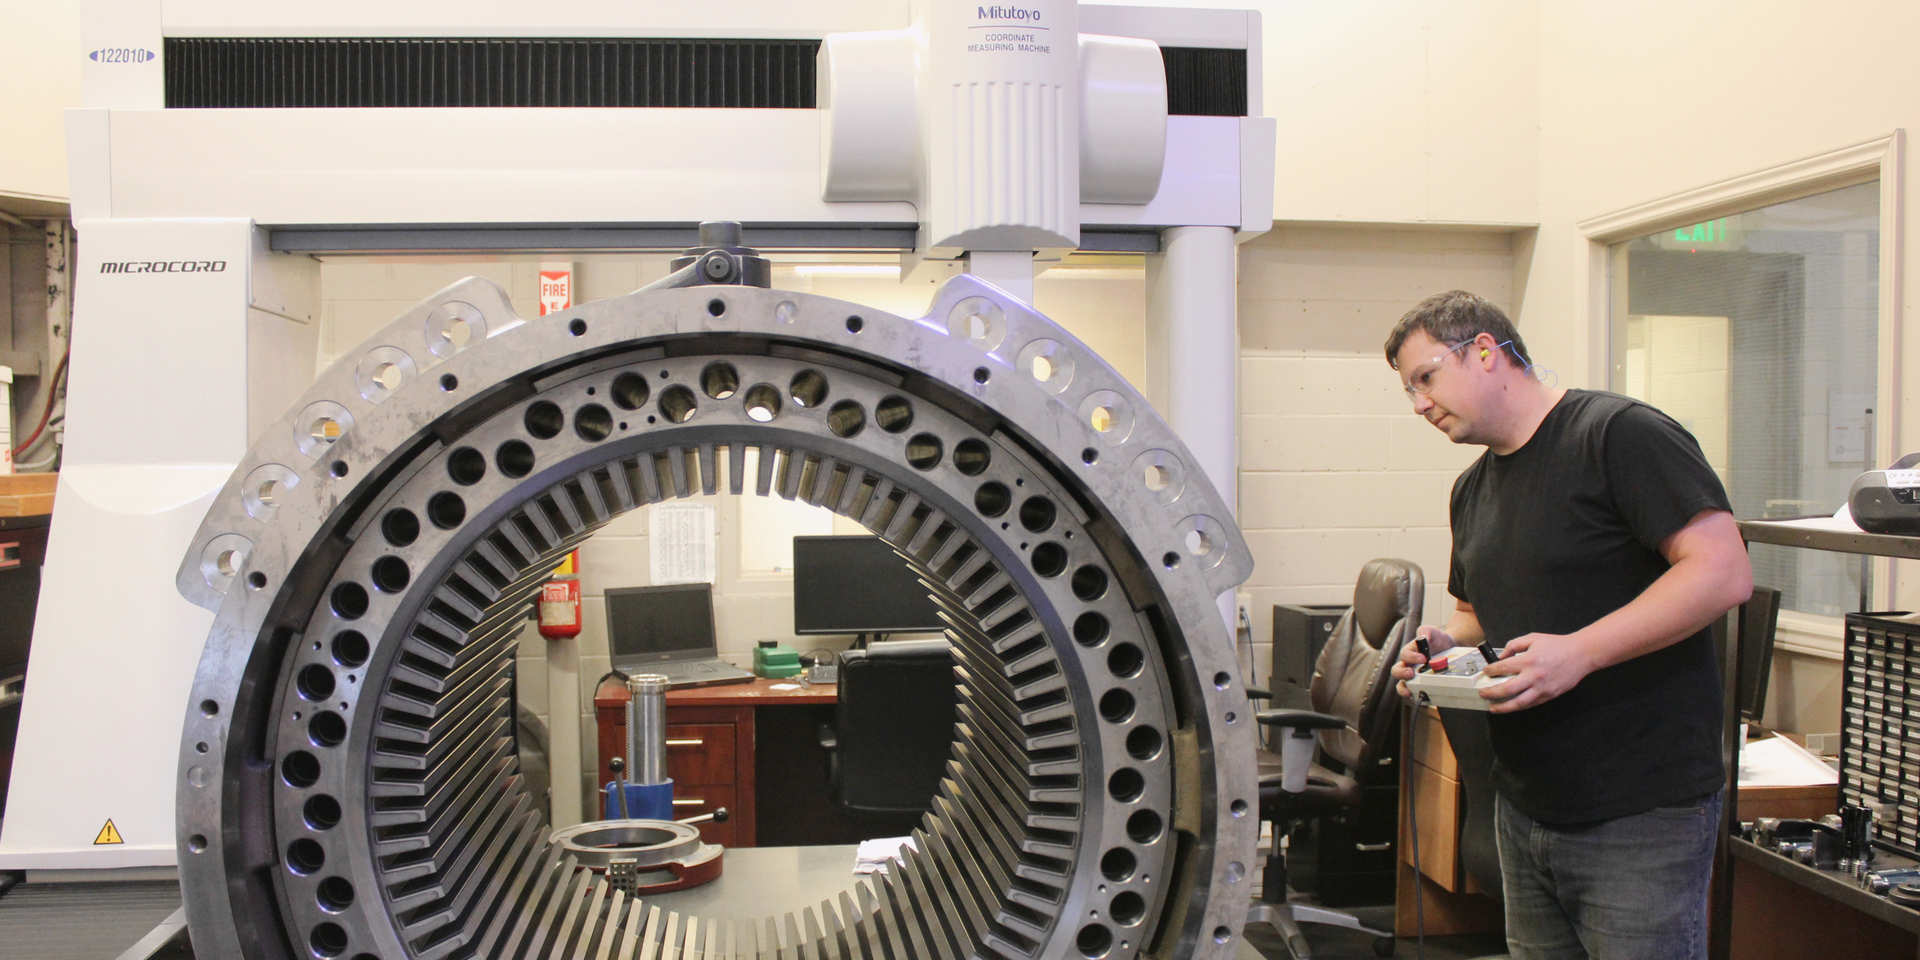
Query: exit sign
pixel 1721 234
pixel 1713 231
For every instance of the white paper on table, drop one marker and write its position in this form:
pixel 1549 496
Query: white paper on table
pixel 680 542
pixel 1779 762
pixel 874 855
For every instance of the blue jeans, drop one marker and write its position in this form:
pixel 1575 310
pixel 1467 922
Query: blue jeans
pixel 1633 888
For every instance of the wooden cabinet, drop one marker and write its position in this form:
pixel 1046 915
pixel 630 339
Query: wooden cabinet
pixel 1431 787
pixel 711 735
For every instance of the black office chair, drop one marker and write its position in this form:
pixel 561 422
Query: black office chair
pixel 1354 721
pixel 892 726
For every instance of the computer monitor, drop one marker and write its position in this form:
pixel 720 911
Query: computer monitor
pixel 857 585
pixel 1758 618
pixel 656 624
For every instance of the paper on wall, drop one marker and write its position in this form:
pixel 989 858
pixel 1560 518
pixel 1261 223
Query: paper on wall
pixel 680 542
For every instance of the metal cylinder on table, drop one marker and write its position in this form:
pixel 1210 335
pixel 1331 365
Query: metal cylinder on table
pixel 646 792
pixel 647 728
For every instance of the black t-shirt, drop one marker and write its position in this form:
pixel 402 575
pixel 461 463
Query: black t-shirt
pixel 1556 535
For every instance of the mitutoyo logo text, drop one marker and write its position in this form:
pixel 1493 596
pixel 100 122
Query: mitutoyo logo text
pixel 164 266
pixel 1008 13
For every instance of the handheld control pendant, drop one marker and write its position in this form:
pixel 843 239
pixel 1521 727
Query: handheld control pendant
pixel 1454 681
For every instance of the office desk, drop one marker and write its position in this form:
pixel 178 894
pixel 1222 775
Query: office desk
pixel 749 747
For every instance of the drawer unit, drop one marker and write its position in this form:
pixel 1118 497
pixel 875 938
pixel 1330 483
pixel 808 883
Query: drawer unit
pixel 709 757
pixel 701 754
pixel 692 801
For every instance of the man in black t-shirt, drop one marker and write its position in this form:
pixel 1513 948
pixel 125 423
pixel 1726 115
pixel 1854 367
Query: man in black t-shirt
pixel 1594 544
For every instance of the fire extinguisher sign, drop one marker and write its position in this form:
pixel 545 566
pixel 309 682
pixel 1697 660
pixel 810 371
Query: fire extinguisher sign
pixel 556 287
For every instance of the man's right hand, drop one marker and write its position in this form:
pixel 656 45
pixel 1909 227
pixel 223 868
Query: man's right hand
pixel 1411 658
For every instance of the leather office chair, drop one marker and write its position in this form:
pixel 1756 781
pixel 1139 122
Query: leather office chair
pixel 1354 722
pixel 892 726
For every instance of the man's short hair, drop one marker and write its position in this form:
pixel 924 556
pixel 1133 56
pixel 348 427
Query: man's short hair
pixel 1454 318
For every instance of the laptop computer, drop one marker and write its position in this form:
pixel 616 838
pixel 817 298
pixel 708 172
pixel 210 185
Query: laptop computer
pixel 668 630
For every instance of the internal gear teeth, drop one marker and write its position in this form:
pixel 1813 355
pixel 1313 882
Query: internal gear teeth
pixel 367 663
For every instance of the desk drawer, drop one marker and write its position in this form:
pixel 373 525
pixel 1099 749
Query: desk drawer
pixel 694 801
pixel 701 754
pixel 1436 800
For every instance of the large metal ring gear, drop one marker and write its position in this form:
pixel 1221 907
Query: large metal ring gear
pixel 348 786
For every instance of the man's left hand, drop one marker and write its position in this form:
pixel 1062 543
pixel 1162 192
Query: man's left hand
pixel 1540 666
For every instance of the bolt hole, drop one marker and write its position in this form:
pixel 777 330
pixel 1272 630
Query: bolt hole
pixel 924 451
pixel 300 769
pixel 350 648
pixel 514 458
pixel 544 420
pixel 971 457
pixel 390 574
pixel 992 499
pixel 400 526
pixel 593 423
pixel 846 419
pixel 629 391
pixel 1049 559
pixel 808 388
pixel 720 380
pixel 1143 743
pixel 315 682
pixel 327 729
pixel 446 510
pixel 329 939
pixel 1089 629
pixel 334 895
pixel 1144 826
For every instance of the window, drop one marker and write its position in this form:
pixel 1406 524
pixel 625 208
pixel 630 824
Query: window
pixel 1757 332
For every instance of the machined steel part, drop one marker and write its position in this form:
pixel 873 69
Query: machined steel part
pixel 348 786
pixel 646 729
pixel 639 853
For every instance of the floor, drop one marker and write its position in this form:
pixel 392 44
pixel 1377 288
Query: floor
pixel 98 921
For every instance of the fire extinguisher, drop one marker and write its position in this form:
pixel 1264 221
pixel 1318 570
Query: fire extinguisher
pixel 560 601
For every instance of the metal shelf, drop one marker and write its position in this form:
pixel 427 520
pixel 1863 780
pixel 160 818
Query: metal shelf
pixel 1809 533
pixel 1828 883
pixel 1816 533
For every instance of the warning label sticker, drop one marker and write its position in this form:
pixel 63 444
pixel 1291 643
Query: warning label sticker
pixel 108 834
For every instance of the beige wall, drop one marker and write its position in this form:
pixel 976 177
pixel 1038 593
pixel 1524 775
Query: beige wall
pixel 1335 469
pixel 1404 110
pixel 1640 100
pixel 40 55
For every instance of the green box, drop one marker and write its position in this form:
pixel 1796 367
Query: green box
pixel 775 661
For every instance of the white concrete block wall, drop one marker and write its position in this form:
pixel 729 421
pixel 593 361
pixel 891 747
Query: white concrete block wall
pixel 1335 469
